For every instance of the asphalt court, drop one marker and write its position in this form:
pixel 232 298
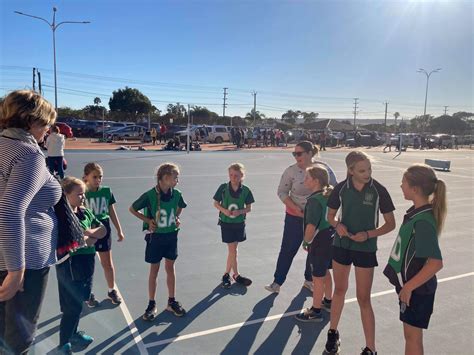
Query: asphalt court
pixel 239 320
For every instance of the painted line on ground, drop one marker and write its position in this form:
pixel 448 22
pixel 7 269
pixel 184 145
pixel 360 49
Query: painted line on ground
pixel 275 317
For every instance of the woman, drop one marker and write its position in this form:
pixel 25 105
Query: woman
pixel 28 223
pixel 293 194
pixel 55 146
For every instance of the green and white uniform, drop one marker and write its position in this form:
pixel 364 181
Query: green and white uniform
pixel 88 221
pixel 99 202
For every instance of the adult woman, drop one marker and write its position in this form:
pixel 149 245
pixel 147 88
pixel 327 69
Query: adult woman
pixel 293 194
pixel 55 145
pixel 28 223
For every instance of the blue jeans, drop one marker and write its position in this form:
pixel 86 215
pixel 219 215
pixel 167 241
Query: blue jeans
pixel 292 238
pixel 56 164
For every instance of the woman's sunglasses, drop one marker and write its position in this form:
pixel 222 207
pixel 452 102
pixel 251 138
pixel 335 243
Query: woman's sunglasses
pixel 297 154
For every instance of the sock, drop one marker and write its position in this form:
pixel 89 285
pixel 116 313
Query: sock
pixel 317 310
pixel 170 300
pixel 326 300
pixel 110 290
pixel 152 302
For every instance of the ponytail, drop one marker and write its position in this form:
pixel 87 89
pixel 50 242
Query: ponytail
pixel 439 204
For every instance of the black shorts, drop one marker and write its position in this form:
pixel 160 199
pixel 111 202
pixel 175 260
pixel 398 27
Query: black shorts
pixel 159 246
pixel 357 258
pixel 104 244
pixel 231 233
pixel 320 253
pixel 419 312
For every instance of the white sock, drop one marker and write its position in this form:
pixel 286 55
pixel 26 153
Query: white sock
pixel 111 289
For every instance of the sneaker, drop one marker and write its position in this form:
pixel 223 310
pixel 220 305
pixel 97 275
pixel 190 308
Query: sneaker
pixel 65 349
pixel 333 343
pixel 114 297
pixel 176 309
pixel 273 287
pixel 226 281
pixel 150 312
pixel 310 315
pixel 326 304
pixel 367 351
pixel 308 285
pixel 81 338
pixel 242 280
pixel 92 302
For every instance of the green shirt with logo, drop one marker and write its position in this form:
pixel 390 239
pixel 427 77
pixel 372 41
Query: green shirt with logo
pixel 233 200
pixel 359 211
pixel 161 207
pixel 88 220
pixel 99 202
pixel 315 212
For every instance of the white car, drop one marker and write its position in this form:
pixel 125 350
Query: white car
pixel 214 134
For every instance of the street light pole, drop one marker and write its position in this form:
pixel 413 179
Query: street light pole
pixel 421 70
pixel 53 27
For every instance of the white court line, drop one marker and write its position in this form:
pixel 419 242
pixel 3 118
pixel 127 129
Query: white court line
pixel 275 317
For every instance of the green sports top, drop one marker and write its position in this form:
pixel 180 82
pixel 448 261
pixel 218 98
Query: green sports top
pixel 88 221
pixel 99 202
pixel 233 200
pixel 315 212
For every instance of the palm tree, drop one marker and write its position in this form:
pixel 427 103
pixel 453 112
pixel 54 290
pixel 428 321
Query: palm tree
pixel 97 101
pixel 396 115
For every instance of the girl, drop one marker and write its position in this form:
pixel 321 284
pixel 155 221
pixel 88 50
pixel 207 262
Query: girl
pixel 55 145
pixel 293 194
pixel 318 238
pixel 101 200
pixel 162 207
pixel 75 274
pixel 233 200
pixel 416 257
pixel 359 198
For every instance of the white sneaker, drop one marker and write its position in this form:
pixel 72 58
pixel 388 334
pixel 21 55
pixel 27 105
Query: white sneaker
pixel 273 287
pixel 308 285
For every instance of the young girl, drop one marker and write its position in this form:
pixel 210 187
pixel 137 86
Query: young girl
pixel 101 200
pixel 162 207
pixel 75 274
pixel 359 199
pixel 416 257
pixel 318 239
pixel 233 200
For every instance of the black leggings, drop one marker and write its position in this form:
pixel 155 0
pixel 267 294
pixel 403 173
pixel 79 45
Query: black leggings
pixel 19 315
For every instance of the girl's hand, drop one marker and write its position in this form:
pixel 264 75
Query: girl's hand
pixel 405 295
pixel 151 224
pixel 342 230
pixel 359 237
pixel 177 221
pixel 89 241
pixel 120 236
pixel 227 212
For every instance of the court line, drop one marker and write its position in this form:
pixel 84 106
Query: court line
pixel 275 317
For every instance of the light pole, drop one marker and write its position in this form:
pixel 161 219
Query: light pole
pixel 53 27
pixel 421 70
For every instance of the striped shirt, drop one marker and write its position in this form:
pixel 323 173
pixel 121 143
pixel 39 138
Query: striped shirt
pixel 28 192
pixel 291 185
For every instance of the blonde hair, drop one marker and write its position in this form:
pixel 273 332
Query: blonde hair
pixel 166 169
pixel 238 167
pixel 91 167
pixel 320 173
pixel 70 182
pixel 424 177
pixel 355 157
pixel 23 108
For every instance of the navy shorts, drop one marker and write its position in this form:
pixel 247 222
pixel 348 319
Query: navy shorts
pixel 357 258
pixel 232 233
pixel 419 312
pixel 104 244
pixel 320 252
pixel 159 246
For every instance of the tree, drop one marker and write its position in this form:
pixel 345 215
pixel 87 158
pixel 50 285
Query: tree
pixel 463 115
pixel 178 110
pixel 421 123
pixel 448 124
pixel 97 101
pixel 291 116
pixel 94 110
pixel 258 115
pixel 70 112
pixel 129 102
pixel 202 114
pixel 396 115
pixel 309 116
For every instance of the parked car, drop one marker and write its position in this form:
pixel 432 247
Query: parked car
pixel 367 140
pixel 64 129
pixel 215 134
pixel 130 132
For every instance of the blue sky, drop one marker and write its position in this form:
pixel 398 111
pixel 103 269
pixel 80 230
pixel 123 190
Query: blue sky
pixel 307 55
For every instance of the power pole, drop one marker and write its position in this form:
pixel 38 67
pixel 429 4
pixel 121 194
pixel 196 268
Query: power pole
pixel 34 79
pixel 386 106
pixel 254 106
pixel 224 105
pixel 446 110
pixel 40 88
pixel 355 111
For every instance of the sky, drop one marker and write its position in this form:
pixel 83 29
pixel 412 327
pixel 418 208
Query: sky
pixel 301 55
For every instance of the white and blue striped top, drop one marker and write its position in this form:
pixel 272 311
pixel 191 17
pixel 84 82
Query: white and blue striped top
pixel 28 192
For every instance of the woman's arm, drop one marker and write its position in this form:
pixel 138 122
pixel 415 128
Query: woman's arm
pixel 116 222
